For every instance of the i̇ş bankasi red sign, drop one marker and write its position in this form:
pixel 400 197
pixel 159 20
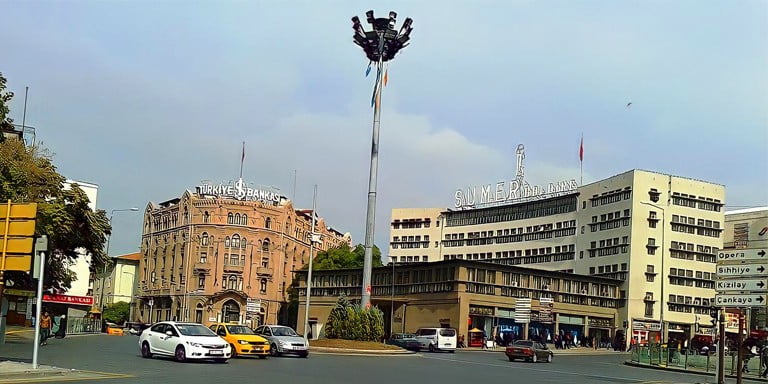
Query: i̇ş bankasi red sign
pixel 66 299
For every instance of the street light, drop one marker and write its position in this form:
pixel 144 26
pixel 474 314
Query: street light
pixel 661 299
pixel 380 45
pixel 104 270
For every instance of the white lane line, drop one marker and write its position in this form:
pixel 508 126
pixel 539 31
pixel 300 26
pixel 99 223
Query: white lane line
pixel 614 378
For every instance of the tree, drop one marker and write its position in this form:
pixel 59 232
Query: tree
pixel 5 98
pixel 117 313
pixel 27 174
pixel 345 257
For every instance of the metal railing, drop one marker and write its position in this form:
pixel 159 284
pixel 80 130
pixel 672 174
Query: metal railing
pixel 695 360
pixel 83 325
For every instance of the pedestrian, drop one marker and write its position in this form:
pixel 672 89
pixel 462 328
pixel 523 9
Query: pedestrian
pixel 485 340
pixel 62 327
pixel 764 359
pixel 45 328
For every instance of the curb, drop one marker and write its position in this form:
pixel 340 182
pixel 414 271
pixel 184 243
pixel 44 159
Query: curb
pixel 556 353
pixel 682 370
pixel 369 352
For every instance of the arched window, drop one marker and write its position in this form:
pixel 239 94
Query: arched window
pixel 206 217
pixel 235 241
pixel 243 243
pixel 244 219
pixel 239 283
pixel 226 241
pixel 232 282
pixel 265 245
pixel 267 223
pixel 204 239
pixel 237 218
pixel 199 313
pixel 230 218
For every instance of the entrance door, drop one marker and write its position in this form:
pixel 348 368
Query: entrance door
pixel 230 311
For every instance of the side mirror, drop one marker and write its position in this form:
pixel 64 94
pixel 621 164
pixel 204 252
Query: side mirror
pixel 169 333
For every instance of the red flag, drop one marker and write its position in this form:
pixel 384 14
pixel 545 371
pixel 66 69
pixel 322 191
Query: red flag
pixel 243 158
pixel 581 149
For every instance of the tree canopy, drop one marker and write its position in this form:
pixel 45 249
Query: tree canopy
pixel 345 257
pixel 27 174
pixel 5 98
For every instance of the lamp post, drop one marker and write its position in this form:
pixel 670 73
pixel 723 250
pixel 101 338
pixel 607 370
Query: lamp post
pixel 104 270
pixel 312 239
pixel 380 45
pixel 392 300
pixel 661 299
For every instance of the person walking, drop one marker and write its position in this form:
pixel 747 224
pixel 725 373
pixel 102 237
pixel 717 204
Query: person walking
pixel 45 328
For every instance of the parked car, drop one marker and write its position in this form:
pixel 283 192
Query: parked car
pixel 284 340
pixel 437 339
pixel 183 341
pixel 136 328
pixel 242 340
pixel 405 340
pixel 528 350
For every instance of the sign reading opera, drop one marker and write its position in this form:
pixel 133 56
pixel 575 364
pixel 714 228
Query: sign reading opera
pixel 208 253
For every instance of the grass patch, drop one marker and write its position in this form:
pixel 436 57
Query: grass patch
pixel 351 344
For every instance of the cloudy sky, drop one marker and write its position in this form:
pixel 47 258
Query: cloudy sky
pixel 148 98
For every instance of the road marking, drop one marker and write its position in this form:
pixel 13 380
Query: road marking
pixel 640 381
pixel 46 379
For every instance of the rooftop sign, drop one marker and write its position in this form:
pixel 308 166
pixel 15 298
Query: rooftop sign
pixel 239 191
pixel 513 191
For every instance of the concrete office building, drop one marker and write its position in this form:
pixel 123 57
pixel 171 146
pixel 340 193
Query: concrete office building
pixel 657 233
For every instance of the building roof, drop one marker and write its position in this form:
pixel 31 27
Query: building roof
pixel 746 210
pixel 136 256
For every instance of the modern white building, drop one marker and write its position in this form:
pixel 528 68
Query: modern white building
pixel 656 233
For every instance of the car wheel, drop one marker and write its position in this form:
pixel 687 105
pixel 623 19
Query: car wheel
pixel 304 355
pixel 452 351
pixel 431 347
pixel 146 352
pixel 511 358
pixel 549 358
pixel 234 351
pixel 534 359
pixel 181 354
pixel 273 350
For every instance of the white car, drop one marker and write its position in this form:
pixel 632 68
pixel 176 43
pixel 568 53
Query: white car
pixel 183 341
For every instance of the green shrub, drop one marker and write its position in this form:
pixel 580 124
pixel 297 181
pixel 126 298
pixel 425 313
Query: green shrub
pixel 352 322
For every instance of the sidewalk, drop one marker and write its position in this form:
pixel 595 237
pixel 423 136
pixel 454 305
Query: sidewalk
pixel 20 372
pixel 578 351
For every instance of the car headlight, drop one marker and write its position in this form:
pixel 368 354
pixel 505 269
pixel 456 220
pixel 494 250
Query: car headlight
pixel 284 343
pixel 242 342
pixel 194 344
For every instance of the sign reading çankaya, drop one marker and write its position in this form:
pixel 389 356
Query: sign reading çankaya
pixel 516 190
pixel 238 190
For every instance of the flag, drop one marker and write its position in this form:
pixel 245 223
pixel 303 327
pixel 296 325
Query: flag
pixel 243 158
pixel 368 70
pixel 581 149
pixel 386 76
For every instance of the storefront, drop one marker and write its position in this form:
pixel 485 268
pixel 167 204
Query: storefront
pixel 645 331
pixel 481 317
pixel 679 332
pixel 20 303
pixel 572 325
pixel 76 308
pixel 600 329
pixel 506 327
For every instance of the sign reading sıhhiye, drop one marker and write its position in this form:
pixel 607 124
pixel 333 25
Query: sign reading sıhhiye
pixel 239 191
pixel 516 190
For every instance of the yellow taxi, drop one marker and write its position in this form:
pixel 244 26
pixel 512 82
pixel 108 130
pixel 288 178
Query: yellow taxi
pixel 242 339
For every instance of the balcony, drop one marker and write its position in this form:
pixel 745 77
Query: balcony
pixel 233 268
pixel 264 271
pixel 202 266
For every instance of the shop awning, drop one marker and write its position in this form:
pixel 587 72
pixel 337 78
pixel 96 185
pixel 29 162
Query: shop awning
pixel 95 310
pixel 475 330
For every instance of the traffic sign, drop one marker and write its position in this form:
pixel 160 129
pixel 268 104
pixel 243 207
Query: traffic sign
pixel 19 228
pixel 19 211
pixel 741 300
pixel 760 285
pixel 742 254
pixel 757 269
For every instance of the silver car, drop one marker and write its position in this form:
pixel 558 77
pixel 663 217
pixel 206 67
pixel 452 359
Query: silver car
pixel 284 340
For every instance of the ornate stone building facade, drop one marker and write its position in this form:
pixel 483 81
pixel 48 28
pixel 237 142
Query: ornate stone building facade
pixel 216 255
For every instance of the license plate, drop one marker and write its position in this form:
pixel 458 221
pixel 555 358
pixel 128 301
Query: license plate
pixel 518 350
pixel 447 344
pixel 216 352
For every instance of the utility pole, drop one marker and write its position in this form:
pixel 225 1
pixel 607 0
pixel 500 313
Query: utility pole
pixel 721 348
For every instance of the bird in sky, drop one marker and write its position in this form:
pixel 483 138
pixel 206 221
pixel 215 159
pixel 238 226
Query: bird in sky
pixel 629 104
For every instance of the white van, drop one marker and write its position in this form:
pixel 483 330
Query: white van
pixel 437 339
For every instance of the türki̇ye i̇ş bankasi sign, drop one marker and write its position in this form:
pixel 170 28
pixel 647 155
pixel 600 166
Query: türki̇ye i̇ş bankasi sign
pixel 516 190
pixel 238 191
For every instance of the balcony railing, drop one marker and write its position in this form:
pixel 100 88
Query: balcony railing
pixel 264 271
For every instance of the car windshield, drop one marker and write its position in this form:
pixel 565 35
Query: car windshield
pixel 523 343
pixel 447 332
pixel 240 330
pixel 283 331
pixel 194 330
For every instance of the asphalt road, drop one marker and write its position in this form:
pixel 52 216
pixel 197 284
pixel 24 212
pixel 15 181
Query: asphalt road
pixel 120 354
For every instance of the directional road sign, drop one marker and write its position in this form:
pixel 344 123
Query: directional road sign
pixel 758 269
pixel 742 254
pixel 759 285
pixel 741 300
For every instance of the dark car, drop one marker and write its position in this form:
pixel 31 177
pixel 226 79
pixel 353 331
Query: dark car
pixel 527 350
pixel 404 340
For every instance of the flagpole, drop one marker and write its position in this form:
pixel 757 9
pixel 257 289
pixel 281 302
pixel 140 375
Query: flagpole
pixel 242 159
pixel 581 160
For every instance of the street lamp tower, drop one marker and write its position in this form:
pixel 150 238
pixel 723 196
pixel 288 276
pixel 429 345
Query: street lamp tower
pixel 380 45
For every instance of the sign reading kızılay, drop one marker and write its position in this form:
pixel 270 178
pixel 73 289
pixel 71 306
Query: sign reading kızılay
pixel 239 191
pixel 516 190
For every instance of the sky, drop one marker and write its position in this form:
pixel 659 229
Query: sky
pixel 149 98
